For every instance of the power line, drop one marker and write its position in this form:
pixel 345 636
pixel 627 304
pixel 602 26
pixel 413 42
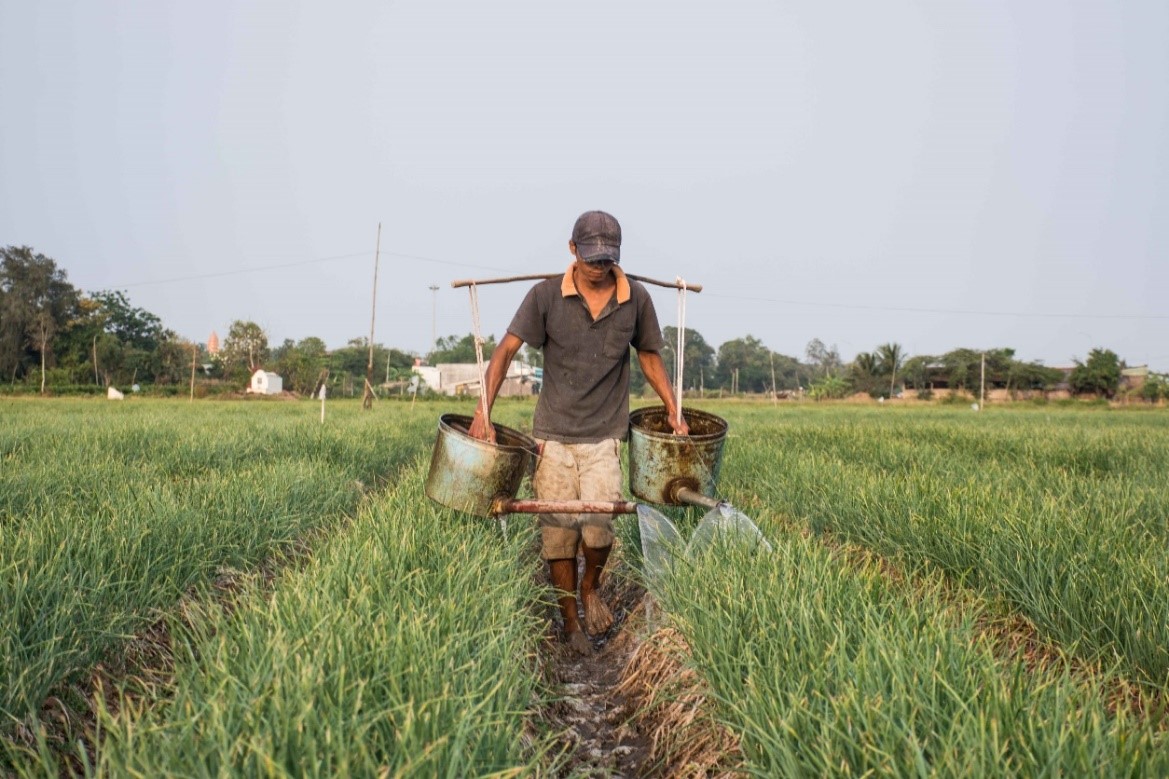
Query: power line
pixel 774 301
pixel 283 265
pixel 965 312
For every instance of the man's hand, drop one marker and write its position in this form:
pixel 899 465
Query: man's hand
pixel 678 422
pixel 481 426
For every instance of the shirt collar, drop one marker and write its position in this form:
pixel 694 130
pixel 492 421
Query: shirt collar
pixel 568 286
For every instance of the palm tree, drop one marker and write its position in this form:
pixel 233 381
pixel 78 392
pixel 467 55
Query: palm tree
pixel 890 357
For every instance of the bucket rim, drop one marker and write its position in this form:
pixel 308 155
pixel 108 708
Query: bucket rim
pixel 522 441
pixel 637 414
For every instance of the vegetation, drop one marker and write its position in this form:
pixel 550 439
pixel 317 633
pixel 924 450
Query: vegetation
pixel 1099 374
pixel 1063 520
pixel 949 593
pixel 829 667
pixel 399 650
pixel 54 337
pixel 110 515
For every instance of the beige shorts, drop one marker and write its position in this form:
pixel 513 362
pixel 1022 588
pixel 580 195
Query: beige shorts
pixel 577 472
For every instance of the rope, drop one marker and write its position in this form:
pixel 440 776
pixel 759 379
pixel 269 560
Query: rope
pixel 479 349
pixel 680 349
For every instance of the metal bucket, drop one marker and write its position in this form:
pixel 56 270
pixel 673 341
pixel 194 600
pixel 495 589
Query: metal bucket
pixel 661 463
pixel 467 474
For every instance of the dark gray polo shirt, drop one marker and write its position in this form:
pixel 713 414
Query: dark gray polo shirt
pixel 585 396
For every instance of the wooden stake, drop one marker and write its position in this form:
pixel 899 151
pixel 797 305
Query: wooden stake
pixel 194 356
pixel 982 384
pixel 774 395
pixel 367 397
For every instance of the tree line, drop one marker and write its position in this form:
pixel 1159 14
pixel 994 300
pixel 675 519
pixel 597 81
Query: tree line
pixel 54 335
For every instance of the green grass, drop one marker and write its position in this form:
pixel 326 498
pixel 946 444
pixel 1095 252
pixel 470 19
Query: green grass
pixel 404 643
pixel 110 512
pixel 827 668
pixel 404 648
pixel 1064 515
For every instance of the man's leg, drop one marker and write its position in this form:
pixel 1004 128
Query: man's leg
pixel 563 575
pixel 555 479
pixel 600 479
pixel 597 616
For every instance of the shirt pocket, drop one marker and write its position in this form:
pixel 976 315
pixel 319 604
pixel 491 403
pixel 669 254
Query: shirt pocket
pixel 617 341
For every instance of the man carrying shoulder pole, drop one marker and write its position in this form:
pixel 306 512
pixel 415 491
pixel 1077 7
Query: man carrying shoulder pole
pixel 584 322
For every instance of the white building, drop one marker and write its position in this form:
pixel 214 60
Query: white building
pixel 266 383
pixel 463 378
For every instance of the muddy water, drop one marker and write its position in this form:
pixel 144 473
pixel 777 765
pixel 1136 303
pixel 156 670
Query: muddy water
pixel 600 737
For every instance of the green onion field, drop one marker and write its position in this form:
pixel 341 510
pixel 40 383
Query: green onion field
pixel 949 593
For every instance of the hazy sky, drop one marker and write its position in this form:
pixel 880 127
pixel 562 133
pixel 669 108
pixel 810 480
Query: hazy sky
pixel 976 173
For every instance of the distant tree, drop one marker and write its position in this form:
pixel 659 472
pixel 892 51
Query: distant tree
pixel 300 364
pixel 961 367
pixel 1099 374
pixel 750 358
pixel 347 364
pixel 863 374
pixel 1156 387
pixel 453 349
pixel 698 356
pixel 829 387
pixel 890 357
pixel 244 350
pixel 36 302
pixel 174 356
pixel 1032 376
pixel 124 339
pixel 825 361
pixel 917 374
pixel 135 327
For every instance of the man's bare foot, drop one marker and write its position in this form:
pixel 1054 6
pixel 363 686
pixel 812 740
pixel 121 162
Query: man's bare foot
pixel 580 643
pixel 597 617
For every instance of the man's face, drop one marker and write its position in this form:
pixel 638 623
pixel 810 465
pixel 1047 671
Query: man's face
pixel 595 271
pixel 592 271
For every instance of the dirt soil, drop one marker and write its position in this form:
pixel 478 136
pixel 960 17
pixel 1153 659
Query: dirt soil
pixel 633 708
pixel 599 737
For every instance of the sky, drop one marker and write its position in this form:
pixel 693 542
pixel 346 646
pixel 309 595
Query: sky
pixel 971 173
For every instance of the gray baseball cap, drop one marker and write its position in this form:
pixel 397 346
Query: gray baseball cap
pixel 597 236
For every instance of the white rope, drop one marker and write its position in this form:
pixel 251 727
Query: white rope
pixel 680 349
pixel 479 349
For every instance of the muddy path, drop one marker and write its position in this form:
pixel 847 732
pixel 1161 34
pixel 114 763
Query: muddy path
pixel 632 708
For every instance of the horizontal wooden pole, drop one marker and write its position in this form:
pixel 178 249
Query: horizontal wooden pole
pixel 539 276
pixel 511 506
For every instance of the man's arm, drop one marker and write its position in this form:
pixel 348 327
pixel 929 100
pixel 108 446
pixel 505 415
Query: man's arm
pixel 655 373
pixel 501 358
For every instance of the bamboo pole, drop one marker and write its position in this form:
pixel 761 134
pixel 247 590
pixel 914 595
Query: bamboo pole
pixel 367 396
pixel 194 356
pixel 540 276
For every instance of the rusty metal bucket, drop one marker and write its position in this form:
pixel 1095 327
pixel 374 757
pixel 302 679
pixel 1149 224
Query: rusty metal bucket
pixel 671 470
pixel 469 475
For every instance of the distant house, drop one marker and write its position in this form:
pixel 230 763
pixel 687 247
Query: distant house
pixel 1134 378
pixel 463 378
pixel 266 383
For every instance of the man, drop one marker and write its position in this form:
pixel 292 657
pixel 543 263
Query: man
pixel 585 323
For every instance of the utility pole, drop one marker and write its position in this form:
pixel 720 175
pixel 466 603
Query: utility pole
pixel 433 318
pixel 367 396
pixel 982 384
pixel 194 354
pixel 774 395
